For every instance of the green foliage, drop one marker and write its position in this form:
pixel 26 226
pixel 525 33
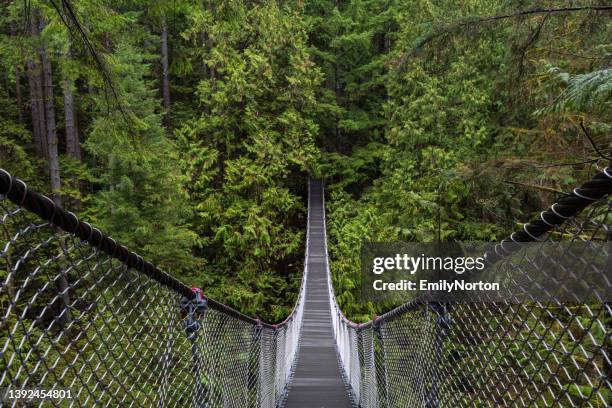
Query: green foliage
pixel 583 92
pixel 465 110
pixel 142 203
pixel 414 110
pixel 428 121
pixel 247 151
pixel 215 195
pixel 14 139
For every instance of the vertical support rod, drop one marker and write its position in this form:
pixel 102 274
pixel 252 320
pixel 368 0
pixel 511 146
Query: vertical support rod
pixel 274 365
pixel 253 376
pixel 380 360
pixel 362 369
pixel 443 326
pixel 189 309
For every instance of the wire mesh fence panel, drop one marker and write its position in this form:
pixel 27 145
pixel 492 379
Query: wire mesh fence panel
pixel 369 384
pixel 267 370
pixel 115 331
pixel 280 361
pixel 222 352
pixel 547 350
pixel 408 342
pixel 354 363
pixel 76 318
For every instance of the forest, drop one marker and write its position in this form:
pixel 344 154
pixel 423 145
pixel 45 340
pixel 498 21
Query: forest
pixel 187 130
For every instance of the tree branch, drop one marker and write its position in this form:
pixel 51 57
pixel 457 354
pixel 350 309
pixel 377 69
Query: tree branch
pixel 473 21
pixel 69 17
pixel 536 187
pixel 588 136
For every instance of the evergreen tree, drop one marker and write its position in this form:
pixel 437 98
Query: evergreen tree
pixel 142 201
pixel 248 150
pixel 416 111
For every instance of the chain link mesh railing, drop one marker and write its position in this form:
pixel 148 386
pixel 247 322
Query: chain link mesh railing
pixel 83 314
pixel 494 354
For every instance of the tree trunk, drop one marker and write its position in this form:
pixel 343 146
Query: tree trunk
pixel 37 109
pixel 18 94
pixel 49 103
pixel 17 73
pixel 73 144
pixel 165 73
pixel 61 283
pixel 73 147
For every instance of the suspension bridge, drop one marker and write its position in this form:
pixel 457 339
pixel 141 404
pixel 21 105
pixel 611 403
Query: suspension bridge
pixel 87 317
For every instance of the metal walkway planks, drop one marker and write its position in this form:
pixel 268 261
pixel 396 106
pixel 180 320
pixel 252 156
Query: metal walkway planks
pixel 317 382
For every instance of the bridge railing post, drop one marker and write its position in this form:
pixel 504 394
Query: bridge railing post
pixel 253 381
pixel 442 329
pixel 361 363
pixel 367 370
pixel 274 364
pixel 380 359
pixel 190 308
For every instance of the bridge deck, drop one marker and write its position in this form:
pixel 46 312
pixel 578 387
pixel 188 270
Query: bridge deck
pixel 317 382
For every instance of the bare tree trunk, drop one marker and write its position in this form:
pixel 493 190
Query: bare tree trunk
pixel 37 109
pixel 54 170
pixel 49 102
pixel 165 70
pixel 17 73
pixel 73 147
pixel 18 94
pixel 38 121
pixel 73 144
pixel 337 97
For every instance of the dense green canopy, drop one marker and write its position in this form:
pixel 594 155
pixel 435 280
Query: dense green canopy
pixel 186 130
